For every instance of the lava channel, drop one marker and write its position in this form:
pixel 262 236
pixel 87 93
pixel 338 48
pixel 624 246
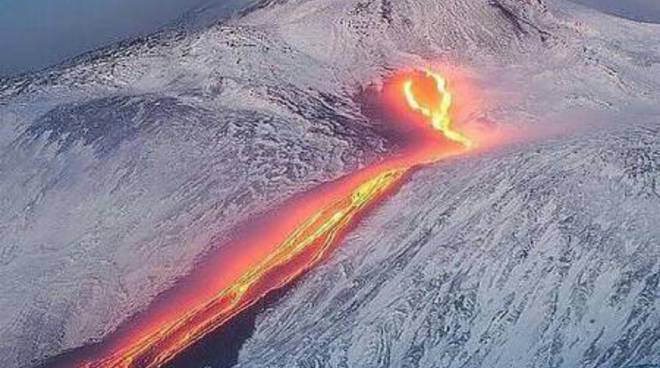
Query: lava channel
pixel 303 231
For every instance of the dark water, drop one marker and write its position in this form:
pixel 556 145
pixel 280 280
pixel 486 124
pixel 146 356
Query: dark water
pixel 639 10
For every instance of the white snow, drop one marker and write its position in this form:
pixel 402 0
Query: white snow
pixel 119 170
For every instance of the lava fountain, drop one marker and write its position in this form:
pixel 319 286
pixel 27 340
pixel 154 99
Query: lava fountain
pixel 303 232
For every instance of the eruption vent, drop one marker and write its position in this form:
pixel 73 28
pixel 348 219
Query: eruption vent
pixel 434 103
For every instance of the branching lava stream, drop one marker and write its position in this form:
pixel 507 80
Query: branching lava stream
pixel 294 241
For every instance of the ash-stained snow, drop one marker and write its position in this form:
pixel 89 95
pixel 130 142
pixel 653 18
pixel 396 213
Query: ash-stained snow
pixel 120 169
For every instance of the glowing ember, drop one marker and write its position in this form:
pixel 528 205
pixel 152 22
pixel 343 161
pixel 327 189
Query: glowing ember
pixel 287 246
pixel 435 106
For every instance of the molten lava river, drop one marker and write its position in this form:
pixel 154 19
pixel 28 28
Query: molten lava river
pixel 298 236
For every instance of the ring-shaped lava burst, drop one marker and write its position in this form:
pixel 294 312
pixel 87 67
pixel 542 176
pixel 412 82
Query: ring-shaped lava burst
pixel 302 232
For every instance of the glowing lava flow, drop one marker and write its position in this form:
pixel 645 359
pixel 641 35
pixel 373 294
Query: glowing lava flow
pixel 305 246
pixel 439 114
pixel 290 245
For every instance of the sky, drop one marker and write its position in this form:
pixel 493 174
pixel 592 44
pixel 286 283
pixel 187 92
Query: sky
pixel 35 34
pixel 38 33
pixel 643 10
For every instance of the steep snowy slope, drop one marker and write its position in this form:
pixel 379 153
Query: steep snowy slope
pixel 120 169
pixel 541 255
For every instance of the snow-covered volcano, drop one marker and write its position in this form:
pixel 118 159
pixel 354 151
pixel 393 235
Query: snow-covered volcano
pixel 122 168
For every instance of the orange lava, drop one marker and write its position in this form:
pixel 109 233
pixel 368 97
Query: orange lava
pixel 280 247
